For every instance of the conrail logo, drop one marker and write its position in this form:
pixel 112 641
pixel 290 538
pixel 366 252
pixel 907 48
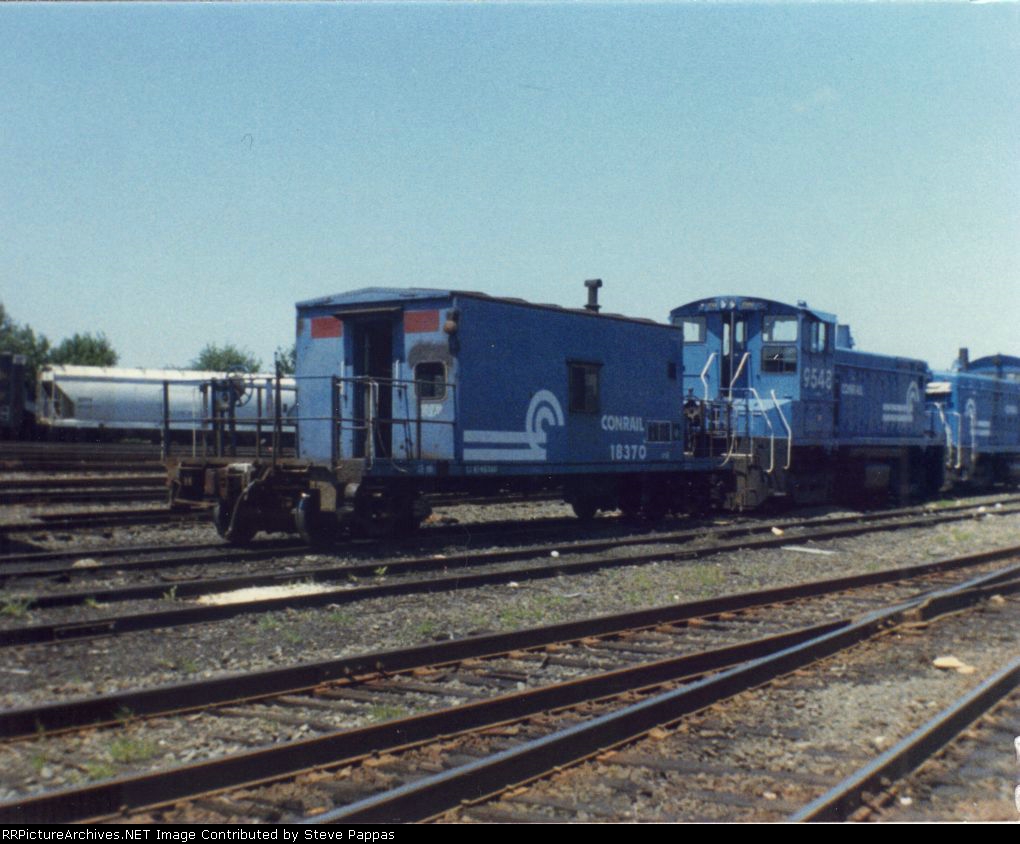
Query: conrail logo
pixel 544 412
pixel 622 423
pixel 903 412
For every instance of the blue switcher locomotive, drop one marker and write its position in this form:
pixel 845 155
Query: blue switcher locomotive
pixel 780 393
pixel 977 405
pixel 404 392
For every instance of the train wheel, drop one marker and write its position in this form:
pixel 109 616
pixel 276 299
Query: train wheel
pixel 315 527
pixel 242 530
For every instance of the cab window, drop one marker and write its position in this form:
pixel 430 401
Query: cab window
pixel 779 344
pixel 818 337
pixel 694 329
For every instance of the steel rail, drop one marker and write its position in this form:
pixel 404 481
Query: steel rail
pixel 476 781
pixel 178 697
pixel 8 562
pixel 843 799
pixel 109 625
pixel 149 790
pixel 115 797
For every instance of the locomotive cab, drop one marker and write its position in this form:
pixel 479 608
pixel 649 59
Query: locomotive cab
pixel 792 409
pixel 763 375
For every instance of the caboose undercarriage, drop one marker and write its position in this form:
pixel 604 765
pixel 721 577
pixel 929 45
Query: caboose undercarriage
pixel 323 504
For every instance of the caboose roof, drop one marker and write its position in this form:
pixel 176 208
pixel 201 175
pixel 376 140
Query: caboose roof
pixel 715 304
pixel 381 296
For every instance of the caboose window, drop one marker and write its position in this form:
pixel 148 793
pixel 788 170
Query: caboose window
pixel 430 380
pixel 584 387
pixel 694 329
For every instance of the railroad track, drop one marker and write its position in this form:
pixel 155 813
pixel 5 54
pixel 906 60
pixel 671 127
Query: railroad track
pixel 676 754
pixel 78 489
pixel 570 533
pixel 84 520
pixel 531 700
pixel 974 742
pixel 83 609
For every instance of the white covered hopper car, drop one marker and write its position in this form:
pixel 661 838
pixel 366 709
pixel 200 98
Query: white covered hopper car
pixel 110 402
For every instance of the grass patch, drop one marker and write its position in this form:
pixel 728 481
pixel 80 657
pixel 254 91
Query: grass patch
pixel 126 751
pixel 99 770
pixel 425 630
pixel 341 618
pixel 184 664
pixel 15 607
pixel 701 577
pixel 385 712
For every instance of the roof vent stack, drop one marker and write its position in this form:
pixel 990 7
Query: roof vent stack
pixel 593 285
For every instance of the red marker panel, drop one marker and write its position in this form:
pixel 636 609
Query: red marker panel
pixel 418 322
pixel 326 326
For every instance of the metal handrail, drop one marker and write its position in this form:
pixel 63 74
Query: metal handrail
pixel 959 438
pixel 949 433
pixel 704 372
pixel 371 422
pixel 740 368
pixel 772 433
pixel 789 431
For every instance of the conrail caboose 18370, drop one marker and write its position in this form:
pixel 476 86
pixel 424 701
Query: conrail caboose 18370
pixel 407 392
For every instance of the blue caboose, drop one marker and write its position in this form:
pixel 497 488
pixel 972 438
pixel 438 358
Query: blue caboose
pixel 779 392
pixel 977 406
pixel 406 392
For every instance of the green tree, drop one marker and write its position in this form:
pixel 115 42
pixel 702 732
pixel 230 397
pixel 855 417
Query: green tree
pixel 226 358
pixel 287 358
pixel 22 340
pixel 85 350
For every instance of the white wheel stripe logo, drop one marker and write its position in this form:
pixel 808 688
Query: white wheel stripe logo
pixel 544 412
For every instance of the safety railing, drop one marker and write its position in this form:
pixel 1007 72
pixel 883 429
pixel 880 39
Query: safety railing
pixel 228 417
pixel 375 434
pixel 745 408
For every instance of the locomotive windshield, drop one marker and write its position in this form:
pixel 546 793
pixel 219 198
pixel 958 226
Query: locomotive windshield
pixel 694 329
pixel 779 344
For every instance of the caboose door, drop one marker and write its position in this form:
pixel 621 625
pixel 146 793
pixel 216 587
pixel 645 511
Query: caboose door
pixel 372 397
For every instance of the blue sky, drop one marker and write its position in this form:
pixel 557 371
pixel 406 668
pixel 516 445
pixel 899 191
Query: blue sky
pixel 177 174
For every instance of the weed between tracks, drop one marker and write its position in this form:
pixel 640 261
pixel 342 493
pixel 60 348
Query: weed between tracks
pixel 15 607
